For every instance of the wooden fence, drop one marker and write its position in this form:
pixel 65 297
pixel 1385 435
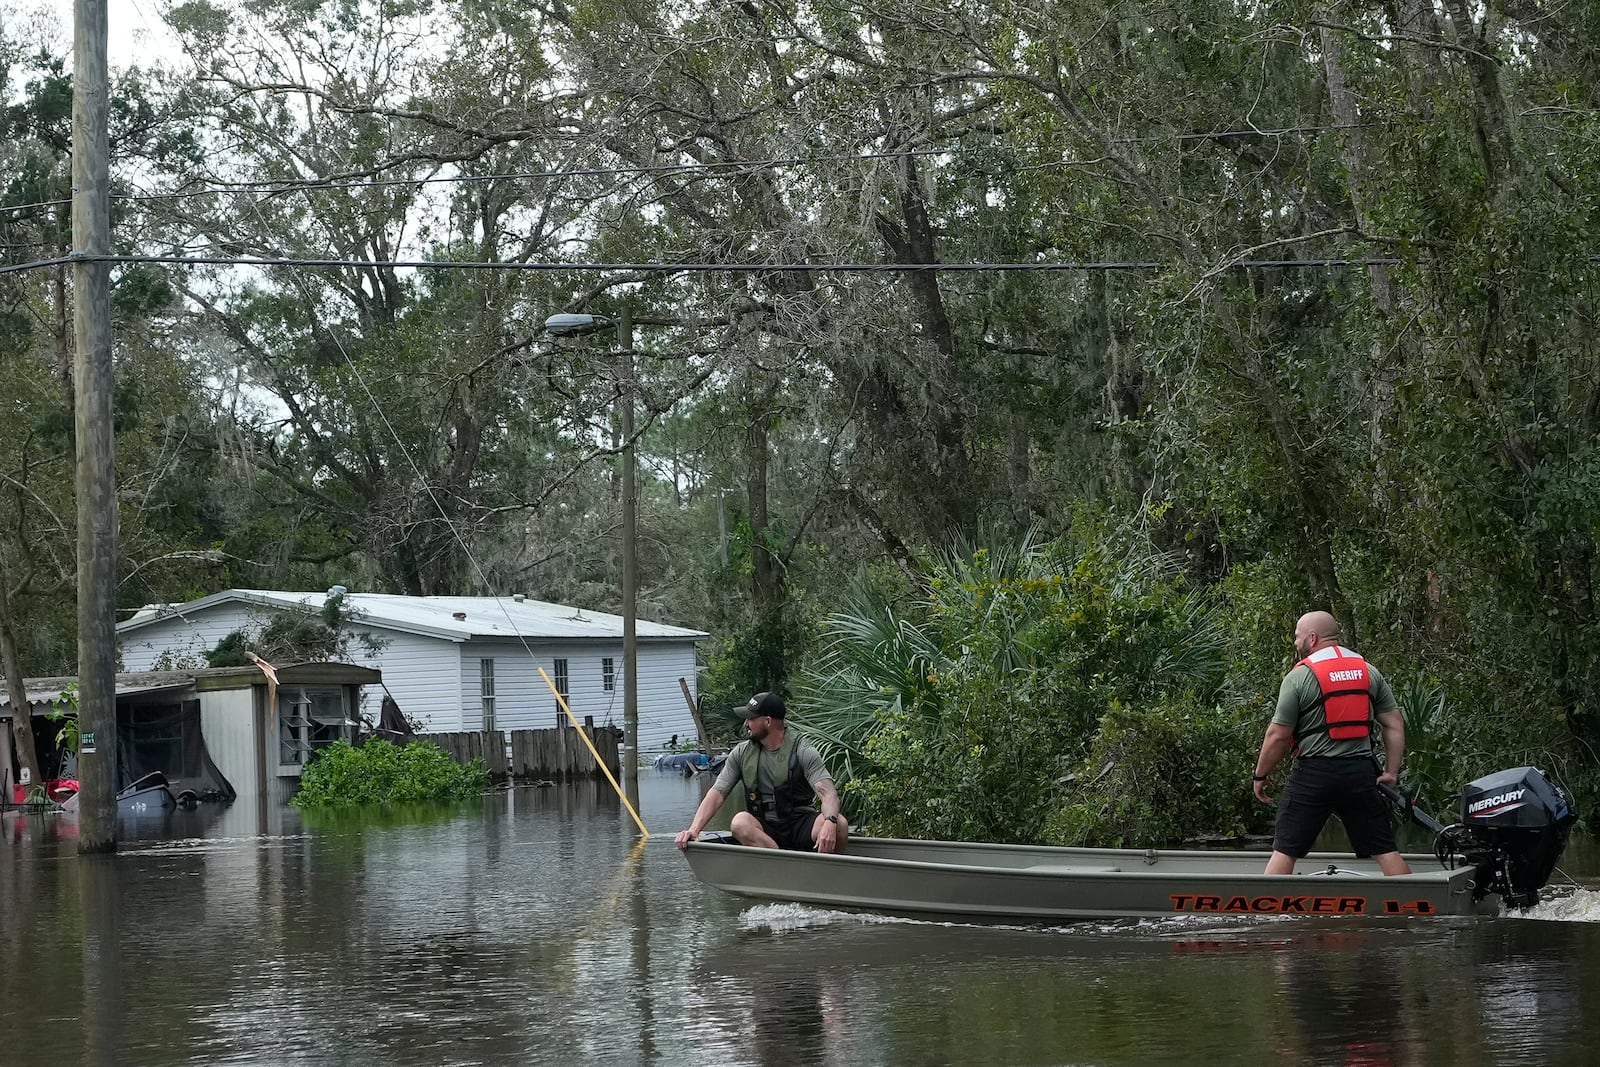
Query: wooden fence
pixel 555 755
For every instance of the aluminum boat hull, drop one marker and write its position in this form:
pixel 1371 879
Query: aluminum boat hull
pixel 1042 884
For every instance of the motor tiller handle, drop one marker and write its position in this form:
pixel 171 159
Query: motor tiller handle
pixel 1409 809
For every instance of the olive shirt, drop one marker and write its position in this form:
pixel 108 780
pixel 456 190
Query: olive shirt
pixel 770 773
pixel 1300 690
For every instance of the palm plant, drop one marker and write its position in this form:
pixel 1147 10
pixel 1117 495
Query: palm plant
pixel 874 660
pixel 1429 761
pixel 957 710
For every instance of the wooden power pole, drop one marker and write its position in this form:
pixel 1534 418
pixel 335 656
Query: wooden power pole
pixel 97 455
pixel 630 570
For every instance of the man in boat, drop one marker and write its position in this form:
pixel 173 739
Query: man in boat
pixel 780 773
pixel 1327 706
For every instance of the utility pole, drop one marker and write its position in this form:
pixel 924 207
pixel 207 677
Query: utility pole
pixel 567 325
pixel 630 574
pixel 96 443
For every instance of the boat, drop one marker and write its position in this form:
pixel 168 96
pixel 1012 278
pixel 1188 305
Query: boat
pixel 690 764
pixel 1514 826
pixel 686 763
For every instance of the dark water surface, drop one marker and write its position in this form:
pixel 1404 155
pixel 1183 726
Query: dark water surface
pixel 534 930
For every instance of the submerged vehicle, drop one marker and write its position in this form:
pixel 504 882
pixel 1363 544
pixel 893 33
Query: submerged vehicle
pixel 1512 829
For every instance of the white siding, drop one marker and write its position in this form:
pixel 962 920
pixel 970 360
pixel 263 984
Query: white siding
pixel 176 643
pixel 523 700
pixel 435 680
pixel 662 710
pixel 227 722
pixel 423 673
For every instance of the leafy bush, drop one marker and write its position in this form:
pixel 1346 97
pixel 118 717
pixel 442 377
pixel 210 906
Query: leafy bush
pixel 983 770
pixel 380 772
pixel 956 715
pixel 1162 773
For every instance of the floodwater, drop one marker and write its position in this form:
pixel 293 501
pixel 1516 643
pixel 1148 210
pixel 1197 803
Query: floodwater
pixel 533 929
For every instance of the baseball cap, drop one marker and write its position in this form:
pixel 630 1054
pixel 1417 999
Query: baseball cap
pixel 763 704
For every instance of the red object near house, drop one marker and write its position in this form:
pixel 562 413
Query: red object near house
pixel 57 789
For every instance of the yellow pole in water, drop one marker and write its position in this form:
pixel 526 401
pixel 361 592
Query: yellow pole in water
pixel 598 761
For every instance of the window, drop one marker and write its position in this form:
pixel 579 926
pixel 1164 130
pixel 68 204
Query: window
pixel 309 719
pixel 561 681
pixel 486 691
pixel 608 674
pixel 154 737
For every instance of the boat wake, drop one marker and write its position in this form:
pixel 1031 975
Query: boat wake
pixel 783 918
pixel 1572 904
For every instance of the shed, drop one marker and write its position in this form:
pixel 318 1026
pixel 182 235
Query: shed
pixel 218 732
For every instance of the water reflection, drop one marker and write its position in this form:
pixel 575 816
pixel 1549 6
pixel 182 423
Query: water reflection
pixel 103 998
pixel 1349 1003
pixel 532 928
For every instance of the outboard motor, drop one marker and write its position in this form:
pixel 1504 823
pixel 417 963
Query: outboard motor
pixel 1513 827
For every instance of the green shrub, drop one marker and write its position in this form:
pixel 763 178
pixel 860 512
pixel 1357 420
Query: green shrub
pixel 1159 774
pixel 984 770
pixel 956 715
pixel 381 773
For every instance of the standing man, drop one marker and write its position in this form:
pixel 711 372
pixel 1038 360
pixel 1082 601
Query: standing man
pixel 780 772
pixel 1327 706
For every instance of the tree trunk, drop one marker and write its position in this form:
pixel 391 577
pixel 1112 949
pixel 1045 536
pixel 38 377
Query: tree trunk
pixel 21 712
pixel 1346 111
pixel 913 240
pixel 1496 140
pixel 767 593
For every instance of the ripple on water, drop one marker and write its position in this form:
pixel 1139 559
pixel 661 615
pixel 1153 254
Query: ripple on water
pixel 1561 904
pixel 190 845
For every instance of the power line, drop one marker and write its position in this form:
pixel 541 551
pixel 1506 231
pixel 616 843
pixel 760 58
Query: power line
pixel 704 268
pixel 38 264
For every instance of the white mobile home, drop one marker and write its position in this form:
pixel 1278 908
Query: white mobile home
pixel 457 663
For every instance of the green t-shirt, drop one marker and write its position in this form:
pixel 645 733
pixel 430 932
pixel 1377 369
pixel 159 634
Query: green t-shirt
pixel 1300 690
pixel 771 773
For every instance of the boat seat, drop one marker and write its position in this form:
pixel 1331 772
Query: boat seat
pixel 1065 868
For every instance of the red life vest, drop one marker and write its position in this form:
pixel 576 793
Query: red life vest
pixel 1346 699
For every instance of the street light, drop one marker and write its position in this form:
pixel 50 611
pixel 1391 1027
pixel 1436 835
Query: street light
pixel 570 325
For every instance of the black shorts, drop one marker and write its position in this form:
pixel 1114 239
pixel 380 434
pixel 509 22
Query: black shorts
pixel 1343 787
pixel 794 833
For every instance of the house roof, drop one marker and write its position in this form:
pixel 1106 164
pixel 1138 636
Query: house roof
pixel 453 618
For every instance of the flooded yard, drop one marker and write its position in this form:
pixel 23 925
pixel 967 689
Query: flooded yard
pixel 533 929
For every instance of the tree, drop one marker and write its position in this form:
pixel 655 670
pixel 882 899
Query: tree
pixel 154 393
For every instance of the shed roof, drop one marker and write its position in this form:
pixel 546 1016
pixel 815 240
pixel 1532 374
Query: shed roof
pixel 48 690
pixel 453 618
